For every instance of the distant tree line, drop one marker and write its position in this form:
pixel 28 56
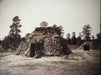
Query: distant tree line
pixel 86 35
pixel 74 40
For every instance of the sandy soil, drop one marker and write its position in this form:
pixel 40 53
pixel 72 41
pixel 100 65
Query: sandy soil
pixel 79 63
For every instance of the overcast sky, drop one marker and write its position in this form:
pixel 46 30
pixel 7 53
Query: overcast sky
pixel 71 14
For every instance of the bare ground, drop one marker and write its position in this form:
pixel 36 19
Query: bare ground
pixel 79 63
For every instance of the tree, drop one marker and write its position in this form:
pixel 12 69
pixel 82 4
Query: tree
pixel 74 40
pixel 14 38
pixel 54 25
pixel 58 29
pixel 14 32
pixel 79 39
pixel 93 37
pixel 86 31
pixel 68 38
pixel 98 36
pixel 15 26
pixel 98 41
pixel 0 42
pixel 61 30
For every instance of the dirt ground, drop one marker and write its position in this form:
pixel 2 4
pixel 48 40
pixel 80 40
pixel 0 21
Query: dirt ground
pixel 79 63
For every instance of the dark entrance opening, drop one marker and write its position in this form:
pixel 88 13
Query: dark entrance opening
pixel 86 47
pixel 32 50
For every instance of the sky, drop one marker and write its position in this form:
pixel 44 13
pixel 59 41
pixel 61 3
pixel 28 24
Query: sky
pixel 71 14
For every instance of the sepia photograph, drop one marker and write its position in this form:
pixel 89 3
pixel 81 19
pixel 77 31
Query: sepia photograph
pixel 50 37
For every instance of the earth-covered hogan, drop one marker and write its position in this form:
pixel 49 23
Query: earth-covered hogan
pixel 42 41
pixel 47 41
